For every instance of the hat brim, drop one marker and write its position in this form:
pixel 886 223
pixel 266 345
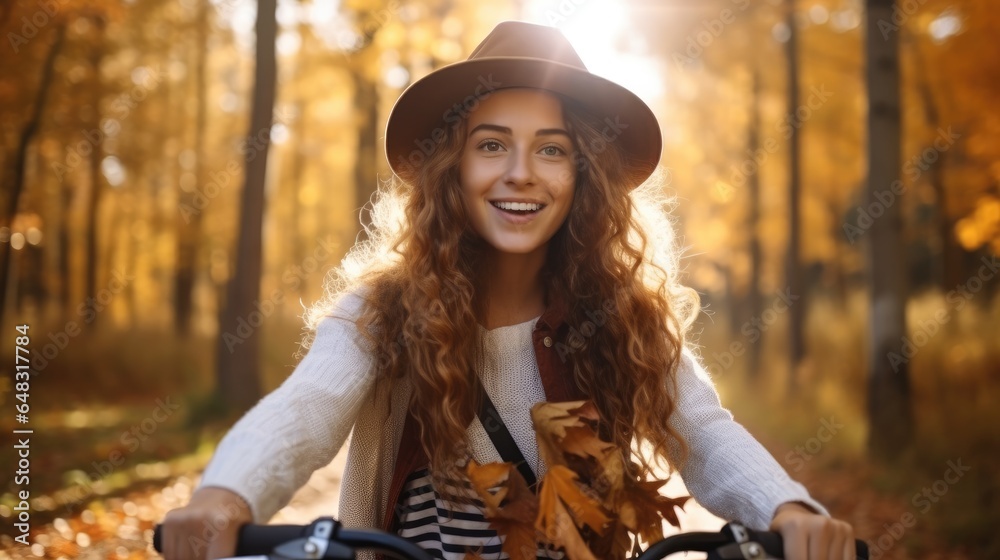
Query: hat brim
pixel 444 97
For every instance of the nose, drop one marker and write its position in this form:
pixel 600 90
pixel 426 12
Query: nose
pixel 520 169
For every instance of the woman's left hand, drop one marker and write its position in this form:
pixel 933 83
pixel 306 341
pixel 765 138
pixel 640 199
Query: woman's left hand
pixel 811 536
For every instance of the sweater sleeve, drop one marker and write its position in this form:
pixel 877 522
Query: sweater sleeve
pixel 299 427
pixel 728 471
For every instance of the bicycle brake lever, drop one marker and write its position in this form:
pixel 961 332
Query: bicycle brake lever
pixel 743 547
pixel 316 545
pixel 740 551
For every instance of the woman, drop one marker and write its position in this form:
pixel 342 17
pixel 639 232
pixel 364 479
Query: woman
pixel 514 253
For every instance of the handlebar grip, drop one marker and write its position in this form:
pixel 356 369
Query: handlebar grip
pixel 263 539
pixel 774 546
pixel 158 538
pixel 253 539
pixel 772 542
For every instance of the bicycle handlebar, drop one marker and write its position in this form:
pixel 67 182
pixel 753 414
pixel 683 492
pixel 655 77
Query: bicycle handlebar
pixel 264 540
pixel 727 544
pixel 326 538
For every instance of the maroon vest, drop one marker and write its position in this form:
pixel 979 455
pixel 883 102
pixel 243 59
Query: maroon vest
pixel 557 381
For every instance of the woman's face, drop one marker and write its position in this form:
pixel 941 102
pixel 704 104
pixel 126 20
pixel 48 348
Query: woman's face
pixel 516 172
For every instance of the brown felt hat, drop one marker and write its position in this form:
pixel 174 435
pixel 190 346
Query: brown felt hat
pixel 516 55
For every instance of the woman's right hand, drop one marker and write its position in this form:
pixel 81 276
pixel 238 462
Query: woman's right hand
pixel 207 527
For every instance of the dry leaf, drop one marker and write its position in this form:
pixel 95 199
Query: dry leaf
pixel 551 421
pixel 616 542
pixel 556 524
pixel 511 508
pixel 642 509
pixel 587 411
pixel 584 442
pixel 559 489
pixel 588 477
pixel 612 477
pixel 563 534
pixel 488 482
pixel 554 418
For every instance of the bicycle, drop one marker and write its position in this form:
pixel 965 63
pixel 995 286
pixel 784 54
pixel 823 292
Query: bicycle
pixel 326 538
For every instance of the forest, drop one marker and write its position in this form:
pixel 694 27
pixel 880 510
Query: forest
pixel 179 177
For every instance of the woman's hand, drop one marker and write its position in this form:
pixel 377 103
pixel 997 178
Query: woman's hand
pixel 811 536
pixel 207 527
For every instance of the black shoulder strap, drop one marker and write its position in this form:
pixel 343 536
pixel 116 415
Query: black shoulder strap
pixel 501 437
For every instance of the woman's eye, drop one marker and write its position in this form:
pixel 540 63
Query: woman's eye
pixel 491 146
pixel 553 151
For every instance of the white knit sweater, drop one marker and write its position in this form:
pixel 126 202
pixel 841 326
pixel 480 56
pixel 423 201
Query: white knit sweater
pixel 299 427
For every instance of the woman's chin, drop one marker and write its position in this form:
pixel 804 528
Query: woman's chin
pixel 515 247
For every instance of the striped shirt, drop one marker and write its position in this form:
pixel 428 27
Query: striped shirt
pixel 449 531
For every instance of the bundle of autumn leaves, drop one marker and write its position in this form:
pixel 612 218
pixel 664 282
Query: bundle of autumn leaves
pixel 589 500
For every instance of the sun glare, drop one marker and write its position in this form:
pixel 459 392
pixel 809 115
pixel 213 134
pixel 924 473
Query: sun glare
pixel 600 31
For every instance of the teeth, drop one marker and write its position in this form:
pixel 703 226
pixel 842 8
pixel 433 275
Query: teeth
pixel 518 206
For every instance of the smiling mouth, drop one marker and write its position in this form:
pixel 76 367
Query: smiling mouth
pixel 520 208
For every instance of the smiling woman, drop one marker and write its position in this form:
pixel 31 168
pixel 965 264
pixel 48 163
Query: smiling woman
pixel 525 218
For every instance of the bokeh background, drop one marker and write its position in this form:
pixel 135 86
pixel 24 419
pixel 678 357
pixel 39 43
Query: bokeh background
pixel 175 189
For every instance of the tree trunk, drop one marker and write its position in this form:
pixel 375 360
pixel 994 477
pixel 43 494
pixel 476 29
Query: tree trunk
pixel 189 223
pixel 129 250
pixel 796 312
pixel 889 408
pixel 65 286
pixel 949 270
pixel 15 186
pixel 753 222
pixel 365 174
pixel 299 159
pixel 94 194
pixel 735 304
pixel 238 356
pixel 298 172
pixel 839 279
pixel 366 111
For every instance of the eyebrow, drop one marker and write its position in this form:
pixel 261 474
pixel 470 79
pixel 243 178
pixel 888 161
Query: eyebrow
pixel 507 130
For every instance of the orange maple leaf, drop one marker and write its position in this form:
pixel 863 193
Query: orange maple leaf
pixel 488 482
pixel 587 478
pixel 584 442
pixel 642 508
pixel 510 506
pixel 555 422
pixel 561 532
pixel 560 494
pixel 615 543
pixel 554 418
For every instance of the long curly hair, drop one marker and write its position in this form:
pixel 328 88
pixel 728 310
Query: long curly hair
pixel 417 269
